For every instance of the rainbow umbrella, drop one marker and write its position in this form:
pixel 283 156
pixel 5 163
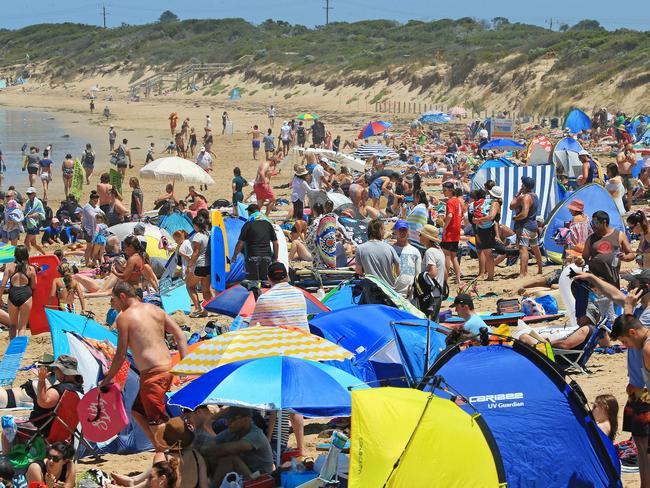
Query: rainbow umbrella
pixel 374 128
pixel 307 117
pixel 259 342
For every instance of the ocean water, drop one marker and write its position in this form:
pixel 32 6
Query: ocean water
pixel 18 127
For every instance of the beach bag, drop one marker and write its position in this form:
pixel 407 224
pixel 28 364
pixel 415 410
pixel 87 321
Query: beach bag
pixel 531 308
pixel 22 455
pixel 102 414
pixel 114 159
pixel 549 303
pixel 232 480
pixel 428 294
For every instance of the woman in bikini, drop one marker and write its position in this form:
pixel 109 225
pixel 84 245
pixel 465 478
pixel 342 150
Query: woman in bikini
pixel 638 224
pixel 134 268
pixel 66 288
pixel 22 281
pixel 101 287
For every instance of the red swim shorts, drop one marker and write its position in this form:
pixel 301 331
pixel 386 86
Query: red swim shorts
pixel 263 192
pixel 151 398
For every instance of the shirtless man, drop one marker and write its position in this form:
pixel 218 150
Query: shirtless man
pixel 626 161
pixel 255 140
pixel 141 327
pixel 104 188
pixel 262 185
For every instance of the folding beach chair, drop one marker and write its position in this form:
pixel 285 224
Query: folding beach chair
pixel 11 360
pixel 574 361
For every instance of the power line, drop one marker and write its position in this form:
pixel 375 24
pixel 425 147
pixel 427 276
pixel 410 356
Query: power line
pixel 327 9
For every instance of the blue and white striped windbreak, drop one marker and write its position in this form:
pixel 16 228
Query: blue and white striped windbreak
pixel 510 180
pixel 380 150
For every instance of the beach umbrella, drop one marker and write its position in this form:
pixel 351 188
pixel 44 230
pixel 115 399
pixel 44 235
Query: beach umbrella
pixel 238 300
pixel 176 169
pixel 307 117
pixel 434 118
pixel 374 128
pixel 150 230
pixel 274 383
pixel 380 150
pixel 457 111
pixel 503 144
pixel 258 342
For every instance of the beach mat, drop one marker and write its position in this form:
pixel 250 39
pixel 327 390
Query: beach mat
pixel 11 360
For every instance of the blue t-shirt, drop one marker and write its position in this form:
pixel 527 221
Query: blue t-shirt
pixel 45 164
pixel 474 324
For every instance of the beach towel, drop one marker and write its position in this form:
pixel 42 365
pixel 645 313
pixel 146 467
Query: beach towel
pixel 326 241
pixel 11 360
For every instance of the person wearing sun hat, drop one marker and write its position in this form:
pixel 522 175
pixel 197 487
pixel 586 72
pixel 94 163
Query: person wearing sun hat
pixel 433 262
pixel 300 189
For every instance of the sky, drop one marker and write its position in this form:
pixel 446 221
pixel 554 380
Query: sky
pixel 636 15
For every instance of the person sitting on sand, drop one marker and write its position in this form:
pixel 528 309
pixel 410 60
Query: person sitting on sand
pixel 57 469
pixel 605 412
pixel 66 288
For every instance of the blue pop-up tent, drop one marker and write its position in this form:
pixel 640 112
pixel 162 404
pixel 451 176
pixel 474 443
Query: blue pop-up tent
pixel 540 423
pixel 503 144
pixel 565 154
pixel 382 351
pixel 577 121
pixel 595 197
pixel 237 269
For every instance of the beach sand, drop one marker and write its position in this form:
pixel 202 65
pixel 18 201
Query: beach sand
pixel 146 121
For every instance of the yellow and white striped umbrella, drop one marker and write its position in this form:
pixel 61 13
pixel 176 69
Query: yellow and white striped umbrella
pixel 259 342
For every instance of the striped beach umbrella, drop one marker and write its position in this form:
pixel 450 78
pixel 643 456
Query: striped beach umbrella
pixel 374 128
pixel 259 342
pixel 307 116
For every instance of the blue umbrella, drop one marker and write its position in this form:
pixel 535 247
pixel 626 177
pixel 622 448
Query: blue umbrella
pixel 502 144
pixel 273 383
pixel 435 118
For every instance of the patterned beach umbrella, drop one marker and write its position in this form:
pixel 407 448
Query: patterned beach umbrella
pixel 307 117
pixel 259 342
pixel 374 128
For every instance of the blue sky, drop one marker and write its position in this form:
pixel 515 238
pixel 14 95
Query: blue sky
pixel 635 15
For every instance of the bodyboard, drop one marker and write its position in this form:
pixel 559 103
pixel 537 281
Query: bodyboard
pixel 174 296
pixel 326 241
pixel 38 323
pixel 217 221
pixel 102 414
pixel 115 180
pixel 218 256
pixel 283 249
pixel 78 179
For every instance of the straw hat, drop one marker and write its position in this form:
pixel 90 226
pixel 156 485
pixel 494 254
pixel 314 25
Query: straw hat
pixel 430 232
pixel 301 171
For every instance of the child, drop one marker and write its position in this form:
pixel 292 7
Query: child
pixel 184 248
pixel 605 412
pixel 171 148
pixel 99 243
pixel 150 153
pixel 52 233
pixel 238 184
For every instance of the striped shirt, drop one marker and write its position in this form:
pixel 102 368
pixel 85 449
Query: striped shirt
pixel 416 220
pixel 281 305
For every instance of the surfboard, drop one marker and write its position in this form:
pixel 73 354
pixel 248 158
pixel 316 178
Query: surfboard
pixel 38 323
pixel 326 241
pixel 283 249
pixel 174 296
pixel 78 179
pixel 566 295
pixel 218 256
pixel 217 221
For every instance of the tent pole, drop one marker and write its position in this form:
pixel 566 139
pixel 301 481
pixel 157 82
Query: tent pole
pixel 278 437
pixel 426 353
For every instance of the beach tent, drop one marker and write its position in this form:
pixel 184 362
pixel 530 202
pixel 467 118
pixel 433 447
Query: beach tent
pixel 565 154
pixel 405 437
pixel 3 84
pixel 381 351
pixel 577 121
pixel 541 424
pixel 434 118
pixel 595 197
pixel 235 94
pixel 237 269
pixel 481 176
pixel 63 327
pixel 509 178
pixel 637 120
pixel 539 151
pixel 368 289
pixel 503 144
pixel 176 221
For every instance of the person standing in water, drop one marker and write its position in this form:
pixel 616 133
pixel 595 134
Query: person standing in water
pixel 32 164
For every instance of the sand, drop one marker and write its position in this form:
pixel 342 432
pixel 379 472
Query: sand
pixel 146 121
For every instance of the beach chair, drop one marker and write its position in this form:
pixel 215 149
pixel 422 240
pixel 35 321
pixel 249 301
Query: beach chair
pixel 11 360
pixel 328 476
pixel 574 361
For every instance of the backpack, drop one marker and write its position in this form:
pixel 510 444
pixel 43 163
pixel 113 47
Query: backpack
pixel 300 132
pixel 89 158
pixel 428 294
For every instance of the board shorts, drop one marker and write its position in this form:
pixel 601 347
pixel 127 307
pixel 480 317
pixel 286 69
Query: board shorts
pixel 33 231
pixel 449 246
pixel 636 414
pixel 627 182
pixel 528 238
pixel 485 238
pixel 10 235
pixel 151 399
pixel 32 170
pixel 202 271
pixel 256 144
pixel 263 192
pixel 257 268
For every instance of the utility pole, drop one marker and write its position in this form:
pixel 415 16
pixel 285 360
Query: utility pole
pixel 327 9
pixel 103 14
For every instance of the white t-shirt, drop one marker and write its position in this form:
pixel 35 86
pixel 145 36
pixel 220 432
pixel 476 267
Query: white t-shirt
pixel 483 134
pixel 410 265
pixel 435 256
pixel 285 132
pixel 202 240
pixel 204 160
pixel 316 175
pixel 185 250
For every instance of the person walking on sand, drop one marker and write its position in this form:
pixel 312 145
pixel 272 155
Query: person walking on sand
pixel 224 122
pixel 208 125
pixel 173 122
pixel 262 185
pixel 46 172
pixel 88 162
pixel 204 160
pixel 192 142
pixel 269 144
pixel 112 137
pixel 142 328
pixel 123 154
pixel 271 114
pixel 67 168
pixel 256 137
pixel 34 217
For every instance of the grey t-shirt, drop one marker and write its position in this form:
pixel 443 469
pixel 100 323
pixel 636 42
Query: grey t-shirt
pixel 378 258
pixel 260 458
pixel 202 240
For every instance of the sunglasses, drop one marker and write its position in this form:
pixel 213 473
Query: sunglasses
pixel 54 458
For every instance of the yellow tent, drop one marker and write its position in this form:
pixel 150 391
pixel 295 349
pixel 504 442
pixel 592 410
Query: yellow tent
pixel 403 437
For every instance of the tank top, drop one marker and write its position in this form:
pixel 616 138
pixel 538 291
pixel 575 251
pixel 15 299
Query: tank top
pixel 530 222
pixel 601 250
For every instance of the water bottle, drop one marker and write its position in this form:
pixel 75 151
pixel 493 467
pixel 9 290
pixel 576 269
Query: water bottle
pixel 615 259
pixel 9 427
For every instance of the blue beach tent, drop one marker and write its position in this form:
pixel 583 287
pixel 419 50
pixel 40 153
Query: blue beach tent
pixel 382 351
pixel 565 153
pixel 176 221
pixel 542 426
pixel 595 197
pixel 577 121
pixel 237 269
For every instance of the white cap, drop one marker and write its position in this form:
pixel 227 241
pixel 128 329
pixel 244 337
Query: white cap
pixel 202 148
pixel 31 189
pixel 584 152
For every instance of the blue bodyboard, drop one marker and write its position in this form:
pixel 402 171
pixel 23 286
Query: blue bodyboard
pixel 218 255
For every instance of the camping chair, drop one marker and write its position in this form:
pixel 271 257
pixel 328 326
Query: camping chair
pixel 577 359
pixel 11 360
pixel 328 476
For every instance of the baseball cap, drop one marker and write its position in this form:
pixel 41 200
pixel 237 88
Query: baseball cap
pixel 642 276
pixel 30 190
pixel 528 181
pixel 277 271
pixel 401 224
pixel 464 299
